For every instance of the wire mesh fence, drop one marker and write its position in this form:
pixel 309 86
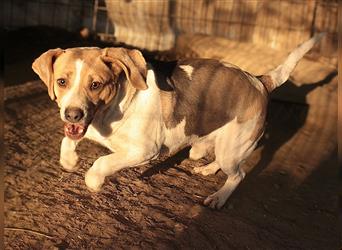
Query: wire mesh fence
pixel 276 24
pixel 70 15
pixel 156 25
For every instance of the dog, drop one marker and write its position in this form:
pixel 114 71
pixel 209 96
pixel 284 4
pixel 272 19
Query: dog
pixel 138 109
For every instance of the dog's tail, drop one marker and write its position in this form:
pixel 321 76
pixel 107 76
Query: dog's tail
pixel 279 75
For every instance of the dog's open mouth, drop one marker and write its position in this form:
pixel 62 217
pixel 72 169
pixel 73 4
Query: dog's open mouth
pixel 75 131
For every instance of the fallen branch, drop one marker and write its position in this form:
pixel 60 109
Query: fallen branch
pixel 28 230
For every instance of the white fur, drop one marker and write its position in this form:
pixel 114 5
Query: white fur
pixel 188 70
pixel 280 74
pixel 232 144
pixel 175 138
pixel 208 169
pixel 74 97
pixel 78 66
pixel 136 139
pixel 68 156
pixel 200 149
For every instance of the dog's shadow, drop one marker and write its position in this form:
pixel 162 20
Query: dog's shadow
pixel 169 162
pixel 284 119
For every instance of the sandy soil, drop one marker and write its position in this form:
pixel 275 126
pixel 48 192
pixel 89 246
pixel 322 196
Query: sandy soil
pixel 287 201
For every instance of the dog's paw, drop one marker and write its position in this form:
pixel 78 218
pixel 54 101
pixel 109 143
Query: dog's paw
pixel 94 181
pixel 211 168
pixel 69 163
pixel 216 200
pixel 202 170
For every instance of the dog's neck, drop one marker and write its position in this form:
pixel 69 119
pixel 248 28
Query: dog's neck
pixel 128 92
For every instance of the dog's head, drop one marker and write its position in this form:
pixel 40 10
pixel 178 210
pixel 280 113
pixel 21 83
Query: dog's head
pixel 81 80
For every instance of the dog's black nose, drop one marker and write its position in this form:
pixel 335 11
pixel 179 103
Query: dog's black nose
pixel 74 115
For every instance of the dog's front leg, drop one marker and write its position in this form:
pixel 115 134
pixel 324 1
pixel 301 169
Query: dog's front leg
pixel 68 157
pixel 109 164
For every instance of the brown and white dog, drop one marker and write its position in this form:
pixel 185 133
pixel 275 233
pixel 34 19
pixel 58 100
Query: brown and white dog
pixel 112 96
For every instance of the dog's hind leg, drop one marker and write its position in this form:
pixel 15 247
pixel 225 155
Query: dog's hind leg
pixel 234 142
pixel 218 199
pixel 200 149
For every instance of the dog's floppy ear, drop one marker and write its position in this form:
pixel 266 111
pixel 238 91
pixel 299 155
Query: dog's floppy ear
pixel 43 66
pixel 131 62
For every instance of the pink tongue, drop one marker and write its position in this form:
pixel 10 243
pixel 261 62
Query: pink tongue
pixel 73 129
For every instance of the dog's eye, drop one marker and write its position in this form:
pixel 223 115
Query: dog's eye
pixel 95 85
pixel 61 82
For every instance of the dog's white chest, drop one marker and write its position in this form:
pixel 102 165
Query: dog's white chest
pixel 141 124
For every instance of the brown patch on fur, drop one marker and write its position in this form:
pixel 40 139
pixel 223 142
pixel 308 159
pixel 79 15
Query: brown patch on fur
pixel 167 99
pixel 251 111
pixel 214 96
pixel 43 66
pixel 108 92
pixel 131 62
pixel 267 82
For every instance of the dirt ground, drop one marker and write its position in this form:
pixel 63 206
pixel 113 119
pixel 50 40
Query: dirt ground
pixel 287 201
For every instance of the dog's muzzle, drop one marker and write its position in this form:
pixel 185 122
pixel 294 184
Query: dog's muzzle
pixel 75 127
pixel 75 131
pixel 74 115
